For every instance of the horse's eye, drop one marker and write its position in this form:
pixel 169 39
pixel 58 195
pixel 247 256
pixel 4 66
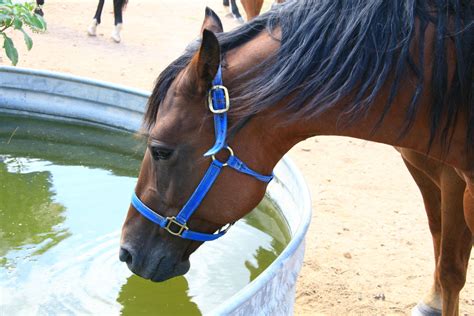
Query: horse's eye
pixel 160 153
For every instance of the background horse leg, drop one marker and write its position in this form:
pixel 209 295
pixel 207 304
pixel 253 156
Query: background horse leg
pixel 235 11
pixel 225 3
pixel 456 240
pixel 432 302
pixel 252 8
pixel 92 30
pixel 39 7
pixel 118 7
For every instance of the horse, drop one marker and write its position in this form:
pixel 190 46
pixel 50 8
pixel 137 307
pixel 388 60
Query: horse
pixel 251 7
pixel 39 7
pixel 119 6
pixel 226 111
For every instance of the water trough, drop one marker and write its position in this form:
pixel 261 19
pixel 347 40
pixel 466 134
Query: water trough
pixel 84 101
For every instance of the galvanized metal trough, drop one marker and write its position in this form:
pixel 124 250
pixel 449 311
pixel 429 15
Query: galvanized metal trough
pixel 69 98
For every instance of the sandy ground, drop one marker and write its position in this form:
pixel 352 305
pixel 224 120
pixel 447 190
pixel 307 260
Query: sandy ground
pixel 369 236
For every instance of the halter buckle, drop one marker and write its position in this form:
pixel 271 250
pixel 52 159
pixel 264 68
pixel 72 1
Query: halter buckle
pixel 172 221
pixel 226 96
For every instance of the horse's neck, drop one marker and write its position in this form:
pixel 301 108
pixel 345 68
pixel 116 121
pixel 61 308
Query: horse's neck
pixel 392 130
pixel 245 57
pixel 282 135
pixel 368 127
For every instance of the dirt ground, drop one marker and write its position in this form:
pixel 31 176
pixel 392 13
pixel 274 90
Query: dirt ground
pixel 368 248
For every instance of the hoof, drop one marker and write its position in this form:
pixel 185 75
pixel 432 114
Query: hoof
pixel 92 30
pixel 39 11
pixel 239 19
pixel 422 309
pixel 116 33
pixel 116 38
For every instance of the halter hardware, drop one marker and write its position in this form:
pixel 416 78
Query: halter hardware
pixel 211 99
pixel 231 154
pixel 172 221
pixel 218 104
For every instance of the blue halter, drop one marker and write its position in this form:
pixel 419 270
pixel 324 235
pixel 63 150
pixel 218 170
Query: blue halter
pixel 176 225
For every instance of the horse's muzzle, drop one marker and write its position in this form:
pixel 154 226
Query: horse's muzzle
pixel 154 268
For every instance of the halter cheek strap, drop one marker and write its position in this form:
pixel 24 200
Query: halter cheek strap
pixel 177 225
pixel 219 104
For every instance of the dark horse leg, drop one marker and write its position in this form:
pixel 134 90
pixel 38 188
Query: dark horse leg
pixel 118 7
pixel 92 30
pixel 442 190
pixel 39 7
pixel 225 3
pixel 234 10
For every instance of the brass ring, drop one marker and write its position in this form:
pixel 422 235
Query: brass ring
pixel 231 153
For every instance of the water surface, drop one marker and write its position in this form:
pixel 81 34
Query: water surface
pixel 64 193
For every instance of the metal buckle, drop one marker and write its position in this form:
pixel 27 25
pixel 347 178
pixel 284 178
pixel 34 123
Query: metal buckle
pixel 231 153
pixel 226 96
pixel 172 220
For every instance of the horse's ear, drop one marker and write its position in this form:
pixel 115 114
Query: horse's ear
pixel 205 63
pixel 211 22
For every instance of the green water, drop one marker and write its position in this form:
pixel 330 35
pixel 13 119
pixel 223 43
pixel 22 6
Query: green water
pixel 64 192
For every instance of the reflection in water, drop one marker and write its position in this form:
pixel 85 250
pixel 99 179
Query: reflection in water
pixel 143 297
pixel 69 187
pixel 68 144
pixel 266 218
pixel 28 215
pixel 264 258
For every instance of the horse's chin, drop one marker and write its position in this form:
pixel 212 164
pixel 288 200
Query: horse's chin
pixel 179 269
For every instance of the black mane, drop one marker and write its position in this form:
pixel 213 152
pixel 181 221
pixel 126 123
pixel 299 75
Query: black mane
pixel 333 48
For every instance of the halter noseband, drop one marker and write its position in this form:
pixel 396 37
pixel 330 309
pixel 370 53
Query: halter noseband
pixel 219 104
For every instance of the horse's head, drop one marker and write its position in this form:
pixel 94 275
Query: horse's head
pixel 182 131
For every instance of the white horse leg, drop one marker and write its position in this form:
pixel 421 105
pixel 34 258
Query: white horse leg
pixel 424 310
pixel 227 10
pixel 92 30
pixel 116 33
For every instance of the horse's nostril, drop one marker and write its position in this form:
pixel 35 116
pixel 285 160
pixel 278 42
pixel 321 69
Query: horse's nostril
pixel 124 255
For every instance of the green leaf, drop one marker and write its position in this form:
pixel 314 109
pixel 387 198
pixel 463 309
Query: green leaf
pixel 17 24
pixel 6 21
pixel 28 40
pixel 4 17
pixel 37 22
pixel 10 50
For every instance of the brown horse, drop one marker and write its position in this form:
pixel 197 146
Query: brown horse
pixel 394 72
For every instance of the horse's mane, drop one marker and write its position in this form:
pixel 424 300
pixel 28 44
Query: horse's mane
pixel 334 49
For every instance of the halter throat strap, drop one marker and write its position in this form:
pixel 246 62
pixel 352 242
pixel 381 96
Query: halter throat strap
pixel 219 104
